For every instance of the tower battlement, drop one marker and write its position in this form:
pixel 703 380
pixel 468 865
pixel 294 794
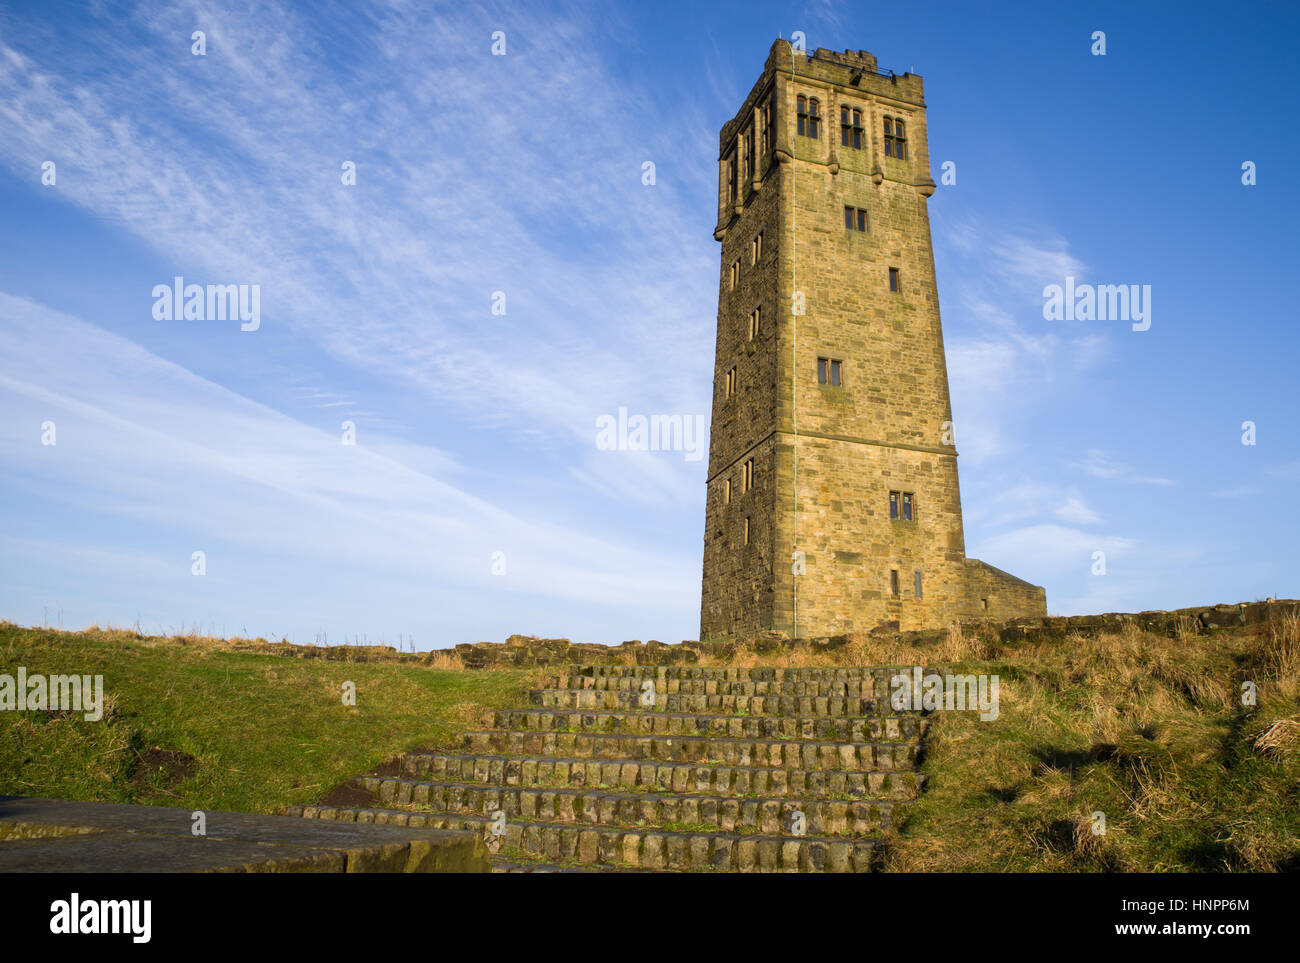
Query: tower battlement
pixel 856 69
pixel 833 502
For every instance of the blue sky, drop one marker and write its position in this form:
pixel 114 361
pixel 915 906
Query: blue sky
pixel 476 432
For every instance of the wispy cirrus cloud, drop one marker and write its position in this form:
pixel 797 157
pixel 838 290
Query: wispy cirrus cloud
pixel 175 463
pixel 229 164
pixel 999 351
pixel 1099 464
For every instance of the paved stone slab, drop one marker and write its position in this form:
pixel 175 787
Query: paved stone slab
pixel 53 835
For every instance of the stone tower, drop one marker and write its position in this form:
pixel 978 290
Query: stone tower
pixel 833 503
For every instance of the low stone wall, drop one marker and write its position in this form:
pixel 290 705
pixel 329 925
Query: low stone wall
pixel 523 650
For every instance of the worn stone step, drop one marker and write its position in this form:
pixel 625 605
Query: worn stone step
pixel 642 848
pixel 733 673
pixel 843 728
pixel 523 864
pixel 719 779
pixel 792 754
pixel 824 817
pixel 830 688
pixel 818 706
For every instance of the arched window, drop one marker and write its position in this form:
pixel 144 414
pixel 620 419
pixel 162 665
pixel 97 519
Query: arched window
pixel 851 128
pixel 765 119
pixel 895 138
pixel 809 116
pixel 749 152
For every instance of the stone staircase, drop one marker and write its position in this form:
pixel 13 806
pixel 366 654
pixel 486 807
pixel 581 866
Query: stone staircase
pixel 672 768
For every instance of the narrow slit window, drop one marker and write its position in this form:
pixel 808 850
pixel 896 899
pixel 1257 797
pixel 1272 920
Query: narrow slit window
pixel 726 492
pixel 754 319
pixel 756 249
pixel 895 282
pixel 893 582
pixel 747 479
pixel 893 504
pixel 731 382
pixel 746 529
pixel 916 584
pixel 907 507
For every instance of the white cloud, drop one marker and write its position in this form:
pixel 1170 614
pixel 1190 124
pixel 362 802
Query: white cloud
pixel 1029 500
pixel 1047 550
pixel 1001 354
pixel 1076 512
pixel 1099 464
pixel 229 164
pixel 182 463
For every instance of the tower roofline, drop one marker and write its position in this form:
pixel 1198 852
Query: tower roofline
pixel 851 70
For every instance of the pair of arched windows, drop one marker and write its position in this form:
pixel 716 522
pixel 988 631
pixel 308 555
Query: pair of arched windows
pixel 895 138
pixel 851 128
pixel 809 116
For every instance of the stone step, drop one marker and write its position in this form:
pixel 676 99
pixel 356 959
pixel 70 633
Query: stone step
pixel 824 817
pixel 719 779
pixel 843 728
pixel 795 754
pixel 654 849
pixel 524 865
pixel 820 706
pixel 731 673
pixel 829 688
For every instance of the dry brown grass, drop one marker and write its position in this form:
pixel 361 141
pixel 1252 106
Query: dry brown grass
pixel 448 660
pixel 1146 728
pixel 466 716
pixel 1281 648
pixel 1280 738
pixel 1187 629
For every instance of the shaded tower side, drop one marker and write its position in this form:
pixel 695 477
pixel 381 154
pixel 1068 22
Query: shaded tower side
pixel 742 547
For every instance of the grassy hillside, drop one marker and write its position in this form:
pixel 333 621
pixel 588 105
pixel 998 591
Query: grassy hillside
pixel 192 722
pixel 1146 729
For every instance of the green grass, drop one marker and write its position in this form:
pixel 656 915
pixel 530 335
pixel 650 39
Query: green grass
pixel 1148 730
pixel 265 731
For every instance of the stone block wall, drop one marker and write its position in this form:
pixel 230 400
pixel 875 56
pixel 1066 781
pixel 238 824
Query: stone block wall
pixel 826 457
